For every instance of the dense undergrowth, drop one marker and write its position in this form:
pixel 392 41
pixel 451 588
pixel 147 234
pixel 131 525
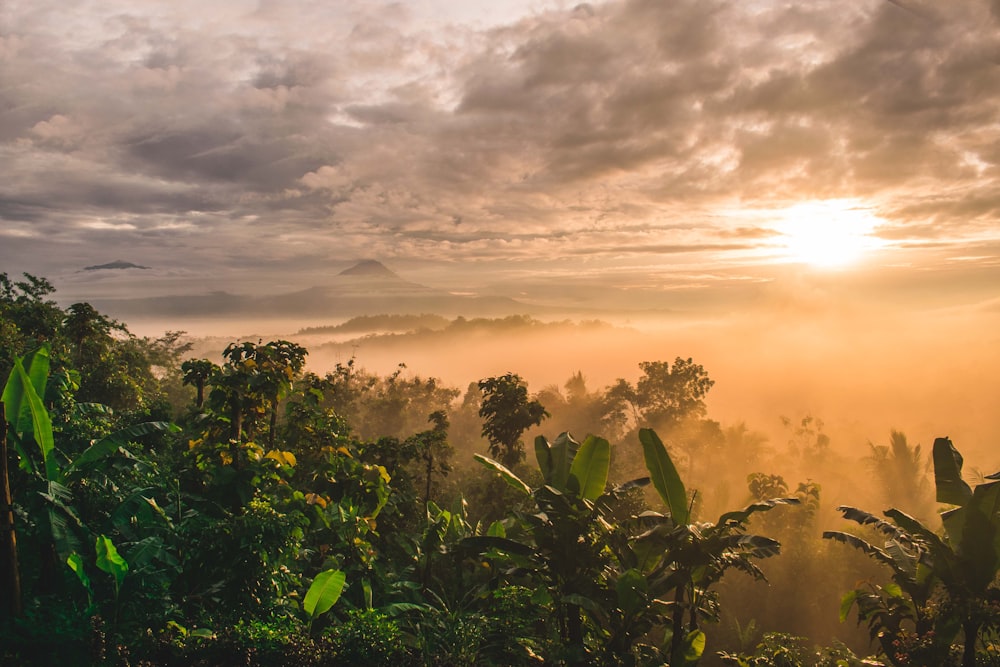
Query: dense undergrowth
pixel 175 511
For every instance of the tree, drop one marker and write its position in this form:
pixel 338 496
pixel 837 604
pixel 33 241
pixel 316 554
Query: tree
pixel 668 395
pixel 27 318
pixel 253 380
pixel 197 372
pixel 575 406
pixel 114 365
pixel 900 471
pixel 433 448
pixel 664 397
pixel 508 413
pixel 278 363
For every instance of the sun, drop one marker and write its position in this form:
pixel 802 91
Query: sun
pixel 826 234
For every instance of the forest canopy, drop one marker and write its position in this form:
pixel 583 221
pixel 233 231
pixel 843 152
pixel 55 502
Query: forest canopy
pixel 161 508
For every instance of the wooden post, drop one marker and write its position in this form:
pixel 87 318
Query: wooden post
pixel 10 586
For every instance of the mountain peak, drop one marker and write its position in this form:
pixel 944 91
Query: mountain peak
pixel 369 267
pixel 117 264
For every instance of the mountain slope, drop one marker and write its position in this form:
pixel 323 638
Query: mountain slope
pixel 367 288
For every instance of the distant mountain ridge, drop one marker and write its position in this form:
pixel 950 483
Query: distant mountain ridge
pixel 117 264
pixel 369 267
pixel 366 288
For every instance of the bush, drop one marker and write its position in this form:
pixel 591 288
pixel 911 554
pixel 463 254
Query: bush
pixel 368 637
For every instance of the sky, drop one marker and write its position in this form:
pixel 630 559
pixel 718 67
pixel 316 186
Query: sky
pixel 664 147
pixel 802 195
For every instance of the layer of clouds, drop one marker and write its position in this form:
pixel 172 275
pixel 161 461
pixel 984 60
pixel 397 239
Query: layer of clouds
pixel 265 137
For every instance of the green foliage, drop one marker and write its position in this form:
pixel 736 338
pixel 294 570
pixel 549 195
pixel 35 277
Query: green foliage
pixel 110 561
pixel 589 473
pixel 25 412
pixel 323 593
pixel 962 567
pixel 28 319
pixel 667 395
pixel 230 540
pixel 619 578
pixel 780 649
pixel 197 372
pixel 664 475
pixel 368 637
pixel 507 413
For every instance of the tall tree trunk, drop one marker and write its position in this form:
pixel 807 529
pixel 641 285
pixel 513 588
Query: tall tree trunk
pixel 574 629
pixel 677 623
pixel 236 421
pixel 10 589
pixel 430 468
pixel 971 631
pixel 274 422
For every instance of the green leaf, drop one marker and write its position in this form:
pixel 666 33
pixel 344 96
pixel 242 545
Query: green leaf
pixel 543 453
pixel 692 648
pixel 893 590
pixel 36 367
pixel 954 521
pixel 740 516
pixel 366 588
pixel 509 477
pixel 109 560
pixel 111 443
pixel 497 529
pixel 563 452
pixel 583 602
pixel 665 478
pixel 978 546
pixel 399 608
pixel 324 592
pixel 64 523
pixel 632 589
pixel 483 543
pixel 951 488
pixel 21 395
pixel 846 603
pixel 75 562
pixel 541 597
pixel 906 563
pixel 863 546
pixel 590 467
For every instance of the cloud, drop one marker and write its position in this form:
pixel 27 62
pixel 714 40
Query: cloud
pixel 370 129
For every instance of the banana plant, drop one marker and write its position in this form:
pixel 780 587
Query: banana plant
pixel 653 572
pixel 53 475
pixel 28 420
pixel 567 529
pixel 667 569
pixel 963 563
pixel 323 593
pixel 888 609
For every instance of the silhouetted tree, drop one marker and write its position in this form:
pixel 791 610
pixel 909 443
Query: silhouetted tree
pixel 507 413
pixel 668 395
pixel 197 372
pixel 901 471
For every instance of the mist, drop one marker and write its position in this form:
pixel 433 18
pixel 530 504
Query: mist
pixel 928 374
pixel 861 370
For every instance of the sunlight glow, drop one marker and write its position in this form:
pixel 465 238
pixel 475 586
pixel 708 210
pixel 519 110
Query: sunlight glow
pixel 830 233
